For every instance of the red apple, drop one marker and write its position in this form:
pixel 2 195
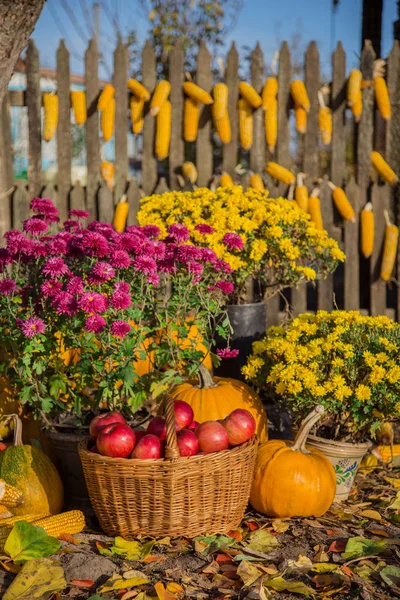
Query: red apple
pixel 139 433
pixel 102 420
pixel 116 439
pixel 240 426
pixel 94 449
pixel 183 414
pixel 3 446
pixel 157 427
pixel 148 447
pixel 188 443
pixel 193 425
pixel 212 437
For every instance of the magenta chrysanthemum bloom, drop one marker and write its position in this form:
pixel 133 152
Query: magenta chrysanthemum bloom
pixel 95 324
pixel 227 353
pixel 7 286
pixel 179 232
pixel 135 230
pixel 50 288
pixel 154 249
pixel 195 268
pixel 105 229
pixel 5 257
pixel 45 208
pixel 55 267
pixel 35 226
pixel 75 286
pixel 65 304
pixel 57 245
pixel 186 253
pixel 32 326
pixel 120 329
pixel 71 226
pixel 123 287
pixel 145 264
pixel 17 242
pixel 93 302
pixel 233 241
pixel 151 231
pixel 37 248
pixel 153 279
pixel 225 286
pixel 167 265
pixel 208 255
pixel 129 242
pixel 120 300
pixel 79 214
pixel 120 259
pixel 103 271
pixel 221 266
pixel 204 228
pixel 94 244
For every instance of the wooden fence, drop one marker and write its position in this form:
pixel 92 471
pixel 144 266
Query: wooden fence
pixel 356 286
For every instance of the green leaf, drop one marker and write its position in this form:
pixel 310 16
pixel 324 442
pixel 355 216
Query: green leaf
pixel 359 546
pixel 391 576
pixel 117 582
pixel 262 541
pixel 37 580
pixel 95 597
pixel 26 542
pixel 207 545
pixel 296 587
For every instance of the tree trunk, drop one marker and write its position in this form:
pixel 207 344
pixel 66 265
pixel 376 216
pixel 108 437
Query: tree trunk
pixel 372 24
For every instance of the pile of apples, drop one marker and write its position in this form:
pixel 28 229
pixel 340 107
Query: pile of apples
pixel 112 436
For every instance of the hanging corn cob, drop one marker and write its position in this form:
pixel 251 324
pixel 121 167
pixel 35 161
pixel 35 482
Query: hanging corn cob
pixel 107 171
pixel 389 248
pixel 342 203
pixel 137 118
pixel 220 105
pixel 108 120
pixel 367 222
pixel 357 107
pixel 324 120
pixel 160 96
pixel 50 102
pixel 138 90
pixel 271 124
pixel 256 181
pixel 105 96
pixel 280 173
pixel 314 208
pixel 9 495
pixel 196 93
pixel 245 124
pixel 384 170
pixel 78 101
pixel 249 94
pixel 189 171
pixel 191 115
pixel 354 87
pixel 382 97
pixel 299 94
pixel 269 92
pixel 121 214
pixel 225 180
pixel 223 128
pixel 163 134
pixel 301 193
pixel 301 118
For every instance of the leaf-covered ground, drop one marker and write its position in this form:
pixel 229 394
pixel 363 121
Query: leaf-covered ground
pixel 353 551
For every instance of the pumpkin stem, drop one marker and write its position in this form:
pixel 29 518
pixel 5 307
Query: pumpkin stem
pixel 206 380
pixel 305 428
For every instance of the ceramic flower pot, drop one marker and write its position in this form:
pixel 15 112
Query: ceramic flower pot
pixel 249 324
pixel 345 459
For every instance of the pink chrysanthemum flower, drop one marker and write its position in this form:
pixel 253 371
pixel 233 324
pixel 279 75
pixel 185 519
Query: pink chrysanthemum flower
pixel 145 264
pixel 57 246
pixel 120 329
pixel 5 257
pixel 135 230
pixel 129 242
pixel 50 288
pixel 187 253
pixel 103 271
pixel 95 324
pixel 75 286
pixel 93 302
pixel 154 279
pixel 195 268
pixel 208 255
pixel 32 326
pixel 167 265
pixel 65 304
pixel 120 259
pixel 123 287
pixel 55 267
pixel 79 214
pixel 120 300
pixel 151 231
pixel 204 228
pixel 45 208
pixel 7 286
pixel 35 226
pixel 233 241
pixel 94 244
pixel 71 226
pixel 105 229
pixel 225 286
pixel 37 248
pixel 179 232
pixel 221 266
pixel 227 353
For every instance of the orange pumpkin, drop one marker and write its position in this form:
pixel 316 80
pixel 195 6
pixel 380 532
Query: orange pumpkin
pixel 290 480
pixel 213 399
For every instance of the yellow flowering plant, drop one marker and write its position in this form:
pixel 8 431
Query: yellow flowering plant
pixel 347 362
pixel 271 240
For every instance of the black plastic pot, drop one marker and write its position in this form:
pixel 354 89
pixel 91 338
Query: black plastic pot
pixel 249 322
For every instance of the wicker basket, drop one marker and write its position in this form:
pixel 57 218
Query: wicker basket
pixel 174 496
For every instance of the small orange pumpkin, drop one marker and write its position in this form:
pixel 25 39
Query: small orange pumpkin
pixel 213 399
pixel 290 480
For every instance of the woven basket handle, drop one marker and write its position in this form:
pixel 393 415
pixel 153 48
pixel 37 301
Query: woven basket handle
pixel 171 449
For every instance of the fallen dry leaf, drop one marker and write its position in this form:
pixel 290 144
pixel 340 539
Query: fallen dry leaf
pixel 82 583
pixel 371 514
pixel 235 534
pixel 337 546
pixel 315 524
pixel 280 526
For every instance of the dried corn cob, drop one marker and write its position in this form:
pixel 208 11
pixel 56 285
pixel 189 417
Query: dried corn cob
pixel 163 134
pixel 9 495
pixel 72 521
pixel 249 94
pixel 138 90
pixel 256 182
pixel 220 106
pixel 354 86
pixel 301 118
pixel 367 230
pixel 189 171
pixel 137 119
pixel 271 124
pixel 160 96
pixel 301 193
pixel 196 93
pixel 108 120
pixel 314 209
pixel 325 124
pixel 384 170
pixel 389 248
pixel 280 173
pixel 299 94
pixel 269 92
pixel 245 124
pixel 382 97
pixel 50 103
pixel 191 115
pixel 105 96
pixel 225 180
pixel 107 170
pixel 223 128
pixel 342 203
pixel 121 214
pixel 78 101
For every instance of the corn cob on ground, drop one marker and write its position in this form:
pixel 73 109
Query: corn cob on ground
pixel 105 96
pixel 314 209
pixel 382 167
pixel 245 124
pixel 354 87
pixel 138 90
pixel 196 93
pixel 342 203
pixel 249 94
pixel 78 101
pixel 108 120
pixel 299 94
pixel 160 96
pixel 6 525
pixel 271 124
pixel 269 92
pixel 9 495
pixel 367 221
pixel 189 171
pixel 389 248
pixel 301 192
pixel 382 97
pixel 72 521
pixel 50 103
pixel 280 173
pixel 163 133
pixel 191 115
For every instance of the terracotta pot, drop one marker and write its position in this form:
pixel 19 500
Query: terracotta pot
pixel 345 458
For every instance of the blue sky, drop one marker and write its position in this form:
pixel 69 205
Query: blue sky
pixel 266 21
